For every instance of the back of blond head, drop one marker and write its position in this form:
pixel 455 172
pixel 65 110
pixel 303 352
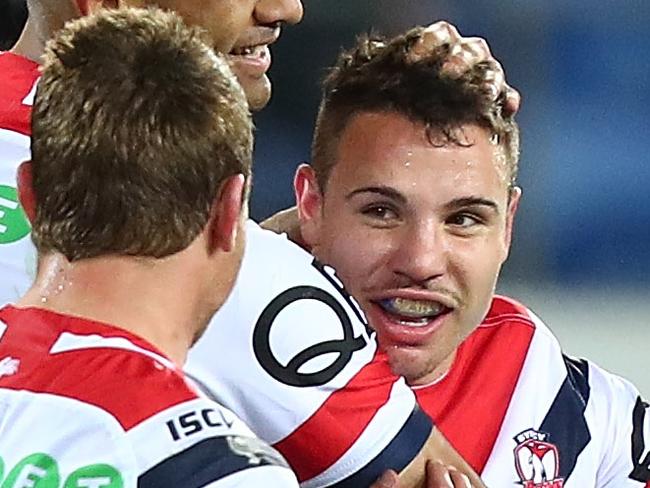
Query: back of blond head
pixel 136 125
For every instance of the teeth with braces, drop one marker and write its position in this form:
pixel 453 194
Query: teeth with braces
pixel 415 309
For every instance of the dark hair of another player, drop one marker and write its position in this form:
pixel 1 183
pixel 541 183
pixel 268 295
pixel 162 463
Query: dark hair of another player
pixel 136 125
pixel 378 75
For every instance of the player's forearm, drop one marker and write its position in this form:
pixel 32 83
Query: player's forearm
pixel 286 222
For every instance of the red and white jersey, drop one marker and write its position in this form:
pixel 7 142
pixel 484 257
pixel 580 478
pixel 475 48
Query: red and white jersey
pixel 524 414
pixel 18 78
pixel 84 404
pixel 290 353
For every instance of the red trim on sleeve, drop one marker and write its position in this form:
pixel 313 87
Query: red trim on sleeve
pixel 330 432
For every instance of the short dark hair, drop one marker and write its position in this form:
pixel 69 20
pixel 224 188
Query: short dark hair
pixel 136 124
pixel 378 75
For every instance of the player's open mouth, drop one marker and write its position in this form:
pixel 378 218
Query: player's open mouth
pixel 412 313
pixel 253 60
pixel 251 51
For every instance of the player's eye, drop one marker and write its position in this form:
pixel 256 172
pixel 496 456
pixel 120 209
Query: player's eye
pixel 464 220
pixel 380 212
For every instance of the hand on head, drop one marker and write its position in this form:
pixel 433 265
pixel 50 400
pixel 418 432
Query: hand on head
pixel 463 54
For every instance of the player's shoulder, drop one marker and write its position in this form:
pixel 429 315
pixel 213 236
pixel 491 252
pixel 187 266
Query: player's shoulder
pixel 506 312
pixel 109 393
pixel 619 420
pixel 276 273
pixel 267 251
pixel 189 436
pixel 507 316
pixel 120 376
pixel 91 363
pixel 610 388
pixel 581 373
pixel 583 377
pixel 504 307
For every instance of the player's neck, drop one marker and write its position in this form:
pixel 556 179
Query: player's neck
pixel 146 297
pixel 30 45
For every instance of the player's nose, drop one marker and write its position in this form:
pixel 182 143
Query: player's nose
pixel 421 254
pixel 279 11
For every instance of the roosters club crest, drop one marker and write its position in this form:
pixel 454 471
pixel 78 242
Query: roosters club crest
pixel 537 461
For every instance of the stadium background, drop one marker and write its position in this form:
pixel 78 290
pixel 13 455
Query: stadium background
pixel 580 256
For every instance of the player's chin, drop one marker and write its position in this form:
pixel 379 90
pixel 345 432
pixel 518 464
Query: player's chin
pixel 258 91
pixel 407 361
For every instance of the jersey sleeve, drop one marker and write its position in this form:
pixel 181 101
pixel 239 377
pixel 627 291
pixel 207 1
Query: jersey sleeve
pixel 625 427
pixel 291 354
pixel 192 445
pixel 201 444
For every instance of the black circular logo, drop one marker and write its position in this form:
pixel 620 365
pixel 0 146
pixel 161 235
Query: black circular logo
pixel 290 374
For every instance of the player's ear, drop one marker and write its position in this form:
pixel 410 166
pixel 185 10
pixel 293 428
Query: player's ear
pixel 26 194
pixel 513 204
pixel 227 215
pixel 309 202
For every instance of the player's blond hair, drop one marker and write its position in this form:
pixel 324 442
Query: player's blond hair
pixel 136 124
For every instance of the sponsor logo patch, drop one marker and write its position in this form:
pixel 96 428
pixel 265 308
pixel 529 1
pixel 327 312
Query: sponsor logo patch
pixel 13 223
pixel 40 470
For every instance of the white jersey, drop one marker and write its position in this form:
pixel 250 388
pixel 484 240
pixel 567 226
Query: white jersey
pixel 18 78
pixel 83 404
pixel 290 353
pixel 524 414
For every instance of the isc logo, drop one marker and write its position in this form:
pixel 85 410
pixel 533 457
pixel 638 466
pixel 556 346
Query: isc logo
pixel 195 421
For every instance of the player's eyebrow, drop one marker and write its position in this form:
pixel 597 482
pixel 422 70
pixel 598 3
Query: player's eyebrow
pixel 472 202
pixel 385 191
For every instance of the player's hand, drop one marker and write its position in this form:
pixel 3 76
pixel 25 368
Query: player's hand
pixel 440 476
pixel 286 222
pixel 387 480
pixel 437 476
pixel 464 53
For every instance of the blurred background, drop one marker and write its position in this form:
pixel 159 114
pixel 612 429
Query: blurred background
pixel 580 255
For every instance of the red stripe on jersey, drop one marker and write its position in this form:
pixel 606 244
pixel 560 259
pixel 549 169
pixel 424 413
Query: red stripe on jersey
pixel 469 404
pixel 18 77
pixel 127 384
pixel 330 432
